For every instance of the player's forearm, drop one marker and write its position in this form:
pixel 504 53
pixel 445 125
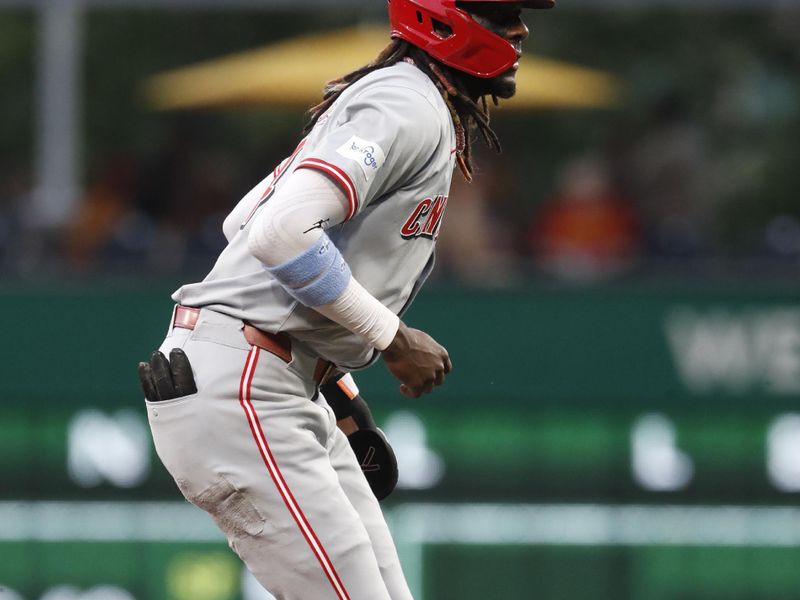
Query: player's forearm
pixel 360 312
pixel 321 279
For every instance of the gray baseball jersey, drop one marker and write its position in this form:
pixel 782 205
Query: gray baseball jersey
pixel 389 142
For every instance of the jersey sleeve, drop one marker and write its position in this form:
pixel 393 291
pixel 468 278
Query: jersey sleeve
pixel 380 140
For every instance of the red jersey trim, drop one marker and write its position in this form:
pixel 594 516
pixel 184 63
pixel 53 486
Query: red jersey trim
pixel 277 477
pixel 338 175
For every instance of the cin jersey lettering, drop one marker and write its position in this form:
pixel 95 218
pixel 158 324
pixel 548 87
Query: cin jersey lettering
pixel 426 219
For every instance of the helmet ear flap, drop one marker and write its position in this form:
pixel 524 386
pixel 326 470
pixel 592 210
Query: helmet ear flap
pixel 441 29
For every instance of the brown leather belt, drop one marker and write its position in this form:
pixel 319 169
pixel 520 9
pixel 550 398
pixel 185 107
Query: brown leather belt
pixel 278 344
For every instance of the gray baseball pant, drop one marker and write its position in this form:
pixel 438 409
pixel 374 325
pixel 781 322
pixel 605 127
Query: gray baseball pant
pixel 259 450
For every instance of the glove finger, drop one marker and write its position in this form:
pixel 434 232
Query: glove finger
pixel 147 382
pixel 182 375
pixel 162 376
pixel 377 460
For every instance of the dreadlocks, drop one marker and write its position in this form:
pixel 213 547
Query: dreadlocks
pixel 467 114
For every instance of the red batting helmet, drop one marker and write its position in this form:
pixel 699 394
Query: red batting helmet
pixel 450 34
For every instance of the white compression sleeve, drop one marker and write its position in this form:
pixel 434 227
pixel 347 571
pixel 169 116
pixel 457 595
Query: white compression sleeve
pixel 296 216
pixel 362 313
pixel 291 222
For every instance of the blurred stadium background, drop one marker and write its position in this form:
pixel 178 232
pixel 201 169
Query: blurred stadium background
pixel 618 291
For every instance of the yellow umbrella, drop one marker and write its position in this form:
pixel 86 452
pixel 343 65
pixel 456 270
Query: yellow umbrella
pixel 292 73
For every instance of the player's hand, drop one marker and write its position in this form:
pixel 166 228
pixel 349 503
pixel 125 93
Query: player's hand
pixel 417 360
pixel 164 379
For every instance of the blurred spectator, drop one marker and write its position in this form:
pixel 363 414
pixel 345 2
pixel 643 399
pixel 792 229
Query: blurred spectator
pixel 587 230
pixel 667 171
pixel 14 195
pixel 99 213
pixel 166 189
pixel 473 242
pixel 164 214
pixel 782 237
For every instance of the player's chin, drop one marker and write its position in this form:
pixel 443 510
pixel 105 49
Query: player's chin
pixel 505 85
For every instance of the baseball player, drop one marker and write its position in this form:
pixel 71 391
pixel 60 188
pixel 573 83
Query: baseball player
pixel 324 256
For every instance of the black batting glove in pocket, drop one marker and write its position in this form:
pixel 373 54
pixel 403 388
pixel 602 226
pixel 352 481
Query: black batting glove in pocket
pixel 163 379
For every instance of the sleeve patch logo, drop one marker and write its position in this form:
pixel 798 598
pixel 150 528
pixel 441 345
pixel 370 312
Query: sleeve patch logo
pixel 369 155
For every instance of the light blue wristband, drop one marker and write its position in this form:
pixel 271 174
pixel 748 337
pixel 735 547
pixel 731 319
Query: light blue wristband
pixel 327 288
pixel 307 266
pixel 317 276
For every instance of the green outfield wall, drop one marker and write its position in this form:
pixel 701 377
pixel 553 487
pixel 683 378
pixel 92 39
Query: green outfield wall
pixel 624 346
pixel 613 443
